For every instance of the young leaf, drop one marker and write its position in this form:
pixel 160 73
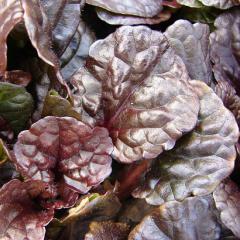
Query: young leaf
pixel 200 160
pixel 65 147
pixel 55 105
pixel 20 218
pixel 147 100
pixel 16 105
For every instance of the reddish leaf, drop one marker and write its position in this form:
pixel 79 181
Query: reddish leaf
pixel 63 146
pixel 20 218
pixel 18 77
pixel 38 29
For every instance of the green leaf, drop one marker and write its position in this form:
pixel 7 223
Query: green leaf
pixel 4 155
pixel 55 105
pixel 16 105
pixel 205 15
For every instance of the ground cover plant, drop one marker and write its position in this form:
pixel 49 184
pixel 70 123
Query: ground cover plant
pixel 119 119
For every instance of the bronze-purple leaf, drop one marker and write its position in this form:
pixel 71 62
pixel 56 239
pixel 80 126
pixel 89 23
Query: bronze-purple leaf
pixel 63 146
pixel 38 29
pixel 191 219
pixel 20 218
pixel 228 94
pixel 225 48
pixel 191 43
pixel 227 200
pixel 144 91
pixel 200 160
pixel 77 50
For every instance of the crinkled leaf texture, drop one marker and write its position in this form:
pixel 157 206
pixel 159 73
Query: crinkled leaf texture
pixel 67 147
pixel 20 218
pixel 16 105
pixel 119 19
pixel 191 219
pixel 200 160
pixel 144 91
pixel 225 48
pixel 191 43
pixel 226 197
pixel 107 231
pixel 142 8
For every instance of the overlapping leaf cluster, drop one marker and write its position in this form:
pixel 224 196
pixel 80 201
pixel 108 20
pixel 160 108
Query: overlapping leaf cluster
pixel 119 132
